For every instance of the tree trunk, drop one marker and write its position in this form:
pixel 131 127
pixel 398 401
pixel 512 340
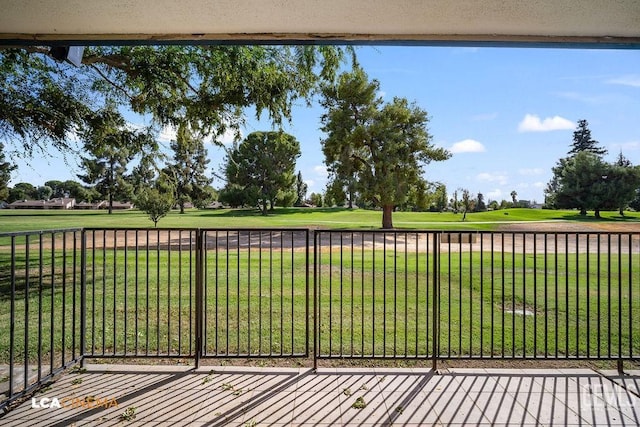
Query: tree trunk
pixel 597 212
pixel 264 207
pixel 583 212
pixel 621 212
pixel 182 207
pixel 110 203
pixel 387 212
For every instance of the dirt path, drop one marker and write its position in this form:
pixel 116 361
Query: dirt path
pixel 511 237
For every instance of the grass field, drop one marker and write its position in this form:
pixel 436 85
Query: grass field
pixel 18 220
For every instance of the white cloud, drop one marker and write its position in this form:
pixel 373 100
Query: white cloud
pixel 467 146
pixel 538 185
pixel 632 80
pixel 499 177
pixel 531 171
pixel 532 123
pixel 318 180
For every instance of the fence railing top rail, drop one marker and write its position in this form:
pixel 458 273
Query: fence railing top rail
pixel 39 232
pixel 486 232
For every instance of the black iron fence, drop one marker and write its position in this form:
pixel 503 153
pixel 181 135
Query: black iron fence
pixel 40 308
pixel 481 295
pixel 329 294
pixel 375 294
pixel 140 292
pixel 255 293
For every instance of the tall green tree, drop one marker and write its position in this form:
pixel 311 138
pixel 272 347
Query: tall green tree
pixel 44 192
pixel 301 190
pixel 111 146
pixel 187 171
pixel 417 199
pixel 623 181
pixel 6 169
pixel 582 141
pixel 237 196
pixel 316 199
pixel 584 180
pixel 335 194
pixel 384 147
pixel 440 197
pixel 42 101
pixel 264 165
pixel 22 191
pixel 480 205
pixel 69 188
pixel 77 191
pixel 580 182
pixel 514 197
pixel 57 188
pixel 454 202
pixel 350 105
pixel 145 174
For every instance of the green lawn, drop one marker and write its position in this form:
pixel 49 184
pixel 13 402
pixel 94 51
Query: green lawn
pixel 17 220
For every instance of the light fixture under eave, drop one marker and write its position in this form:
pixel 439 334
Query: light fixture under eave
pixel 71 54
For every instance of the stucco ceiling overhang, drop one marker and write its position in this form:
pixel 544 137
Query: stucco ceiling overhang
pixel 563 22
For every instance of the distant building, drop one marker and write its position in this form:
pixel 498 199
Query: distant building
pixel 91 206
pixel 61 203
pixel 215 205
pixel 65 203
pixel 118 205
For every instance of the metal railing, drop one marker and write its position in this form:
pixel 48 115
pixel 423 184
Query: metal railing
pixel 374 294
pixel 256 290
pixel 481 295
pixel 40 308
pixel 339 294
pixel 140 292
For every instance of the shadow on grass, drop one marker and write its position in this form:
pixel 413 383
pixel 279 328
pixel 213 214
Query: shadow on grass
pixel 590 218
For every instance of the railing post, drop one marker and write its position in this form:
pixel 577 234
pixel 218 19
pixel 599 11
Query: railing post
pixel 83 294
pixel 308 305
pixel 315 302
pixel 199 294
pixel 436 301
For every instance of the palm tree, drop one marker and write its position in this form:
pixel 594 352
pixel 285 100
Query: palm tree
pixel 514 195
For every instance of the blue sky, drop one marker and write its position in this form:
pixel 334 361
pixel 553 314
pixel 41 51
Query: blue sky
pixel 506 114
